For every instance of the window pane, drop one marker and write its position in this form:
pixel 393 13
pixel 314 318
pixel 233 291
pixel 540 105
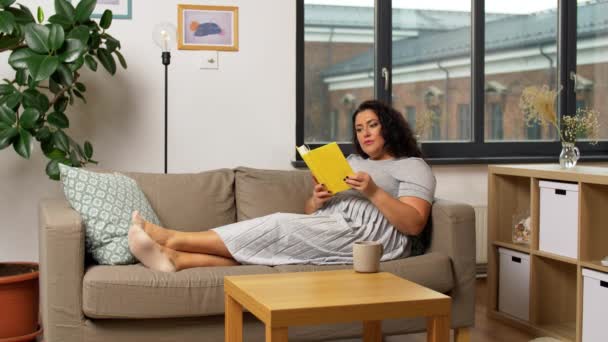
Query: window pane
pixel 338 66
pixel 591 84
pixel 521 37
pixel 431 66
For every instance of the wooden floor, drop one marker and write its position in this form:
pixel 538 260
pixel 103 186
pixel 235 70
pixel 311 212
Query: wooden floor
pixel 485 329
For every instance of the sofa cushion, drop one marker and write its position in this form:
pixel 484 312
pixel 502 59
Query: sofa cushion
pixel 135 291
pixel 105 202
pixel 262 192
pixel 190 202
pixel 433 270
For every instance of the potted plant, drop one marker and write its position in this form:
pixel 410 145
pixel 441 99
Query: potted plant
pixel 47 58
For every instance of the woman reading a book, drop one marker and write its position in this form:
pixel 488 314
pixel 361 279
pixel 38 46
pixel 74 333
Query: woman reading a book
pixel 389 201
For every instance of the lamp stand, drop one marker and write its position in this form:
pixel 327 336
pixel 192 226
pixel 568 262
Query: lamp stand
pixel 166 57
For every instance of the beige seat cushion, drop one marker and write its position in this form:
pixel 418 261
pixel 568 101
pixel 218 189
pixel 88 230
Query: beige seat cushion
pixel 262 192
pixel 137 292
pixel 190 202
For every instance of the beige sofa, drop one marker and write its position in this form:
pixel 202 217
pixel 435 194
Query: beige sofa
pixel 81 301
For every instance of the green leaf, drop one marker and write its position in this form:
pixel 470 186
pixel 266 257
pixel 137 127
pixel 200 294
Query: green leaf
pixel 56 36
pixel 7 115
pixel 42 67
pixel 95 40
pixel 64 8
pixel 74 159
pixel 81 87
pixel 22 14
pixel 106 19
pixel 81 33
pixel 88 149
pixel 28 118
pixel 65 22
pixel 40 15
pixel 77 64
pixel 8 42
pixel 112 44
pixel 6 89
pixel 121 59
pixel 19 57
pixel 91 63
pixel 84 9
pixel 43 134
pixel 58 119
pixel 52 170
pixel 7 136
pixel 7 22
pixel 61 104
pixel 23 144
pixel 37 37
pixel 21 76
pixel 6 3
pixel 61 141
pixel 30 98
pixel 54 86
pixel 74 48
pixel 55 154
pixel 66 76
pixel 13 100
pixel 79 95
pixel 106 60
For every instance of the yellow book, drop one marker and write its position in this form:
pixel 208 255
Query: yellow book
pixel 328 165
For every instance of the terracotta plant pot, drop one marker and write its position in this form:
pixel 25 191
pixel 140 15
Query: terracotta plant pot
pixel 19 298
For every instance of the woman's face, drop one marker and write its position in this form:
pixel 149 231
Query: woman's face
pixel 369 135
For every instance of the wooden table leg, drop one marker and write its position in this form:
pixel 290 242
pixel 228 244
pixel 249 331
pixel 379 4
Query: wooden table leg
pixel 372 331
pixel 438 329
pixel 233 320
pixel 276 334
pixel 462 335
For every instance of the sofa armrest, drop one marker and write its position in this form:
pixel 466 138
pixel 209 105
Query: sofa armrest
pixel 454 234
pixel 61 248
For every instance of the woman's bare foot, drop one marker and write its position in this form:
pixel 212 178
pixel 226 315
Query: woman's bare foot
pixel 146 250
pixel 160 235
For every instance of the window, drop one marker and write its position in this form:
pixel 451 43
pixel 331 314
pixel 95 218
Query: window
pixel 431 50
pixel 410 116
pixel 464 120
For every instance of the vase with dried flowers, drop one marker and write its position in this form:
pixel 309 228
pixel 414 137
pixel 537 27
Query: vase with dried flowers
pixel 538 105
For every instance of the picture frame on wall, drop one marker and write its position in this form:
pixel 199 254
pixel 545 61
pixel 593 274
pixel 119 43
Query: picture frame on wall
pixel 121 9
pixel 202 27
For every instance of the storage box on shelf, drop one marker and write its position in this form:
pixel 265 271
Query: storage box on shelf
pixel 595 310
pixel 514 283
pixel 559 218
pixel 568 236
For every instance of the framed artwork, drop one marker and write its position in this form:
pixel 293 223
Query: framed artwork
pixel 121 9
pixel 201 27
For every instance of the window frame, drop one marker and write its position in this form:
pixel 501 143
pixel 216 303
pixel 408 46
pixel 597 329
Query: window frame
pixel 476 151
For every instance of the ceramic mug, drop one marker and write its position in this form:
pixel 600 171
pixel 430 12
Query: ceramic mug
pixel 366 256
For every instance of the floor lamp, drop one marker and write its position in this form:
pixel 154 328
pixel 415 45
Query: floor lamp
pixel 164 36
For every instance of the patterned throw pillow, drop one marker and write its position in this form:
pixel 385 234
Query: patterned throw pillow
pixel 105 202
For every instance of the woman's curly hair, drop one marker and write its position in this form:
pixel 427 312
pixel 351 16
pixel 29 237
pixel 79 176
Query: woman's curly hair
pixel 399 139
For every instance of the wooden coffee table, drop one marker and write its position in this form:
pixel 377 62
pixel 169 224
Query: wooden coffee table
pixel 306 298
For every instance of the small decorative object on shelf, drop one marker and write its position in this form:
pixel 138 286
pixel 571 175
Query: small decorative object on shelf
pixel 538 105
pixel 605 261
pixel 521 228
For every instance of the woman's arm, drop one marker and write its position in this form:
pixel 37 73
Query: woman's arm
pixel 407 214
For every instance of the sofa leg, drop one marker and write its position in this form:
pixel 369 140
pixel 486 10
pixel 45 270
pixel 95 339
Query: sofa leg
pixel 462 335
